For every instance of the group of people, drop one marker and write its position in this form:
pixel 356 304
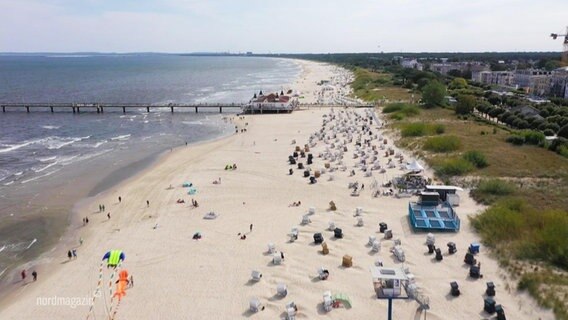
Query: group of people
pixel 231 167
pixel 295 204
pixel 72 254
pixel 24 275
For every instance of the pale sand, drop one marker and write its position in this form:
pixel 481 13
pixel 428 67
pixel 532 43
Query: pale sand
pixel 180 278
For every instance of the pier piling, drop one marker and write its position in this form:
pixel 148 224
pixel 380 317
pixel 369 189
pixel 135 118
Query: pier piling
pixel 28 109
pixel 172 108
pixel 148 109
pixel 51 108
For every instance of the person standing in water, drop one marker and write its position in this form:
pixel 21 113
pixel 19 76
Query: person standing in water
pixel 34 275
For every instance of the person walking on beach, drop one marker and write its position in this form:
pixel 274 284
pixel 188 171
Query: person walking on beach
pixel 108 216
pixel 131 281
pixel 87 220
pixel 34 275
pixel 148 203
pixel 250 227
pixel 23 274
pixel 80 241
pixel 100 208
pixel 119 199
pixel 74 252
pixel 69 254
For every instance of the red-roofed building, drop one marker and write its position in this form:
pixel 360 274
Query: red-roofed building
pixel 271 103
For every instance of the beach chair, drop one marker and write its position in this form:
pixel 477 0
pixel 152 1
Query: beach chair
pixel 324 248
pixel 452 248
pixel 256 275
pixel 277 258
pixel 331 226
pixel 439 255
pixel 323 273
pixel 474 248
pixel 490 291
pixel 210 215
pixel 376 246
pixel 313 180
pixel 399 253
pixel 312 210
pixel 430 238
pixel 358 211
pixel 291 310
pixel 271 248
pixel 338 233
pixel 431 248
pixel 388 234
pixel 318 238
pixel 306 219
pixel 489 305
pixel 294 234
pixel 382 227
pixel 371 240
pixel 360 222
pixel 469 259
pixel 475 272
pixel 281 290
pixel 347 261
pixel 455 290
pixel 500 312
pixel 327 301
pixel 255 305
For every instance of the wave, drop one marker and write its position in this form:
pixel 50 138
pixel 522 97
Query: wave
pixel 39 177
pixel 51 127
pixel 47 159
pixel 18 146
pixel 2 249
pixel 123 137
pixel 192 122
pixel 9 183
pixel 31 243
pixel 41 169
pixel 100 143
pixel 18 173
pixel 55 142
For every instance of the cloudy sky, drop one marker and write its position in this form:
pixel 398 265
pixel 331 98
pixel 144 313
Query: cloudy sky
pixel 283 26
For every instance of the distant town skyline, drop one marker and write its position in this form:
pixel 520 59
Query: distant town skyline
pixel 294 26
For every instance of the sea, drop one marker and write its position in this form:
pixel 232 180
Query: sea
pixel 49 161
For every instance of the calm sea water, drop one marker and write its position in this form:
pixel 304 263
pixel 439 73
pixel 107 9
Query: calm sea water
pixel 43 153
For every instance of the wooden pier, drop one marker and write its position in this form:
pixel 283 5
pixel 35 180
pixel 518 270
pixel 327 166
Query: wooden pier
pixel 101 107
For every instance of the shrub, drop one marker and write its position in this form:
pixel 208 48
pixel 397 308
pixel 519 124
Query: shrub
pixel 466 104
pixel 393 107
pixel 496 187
pixel 453 167
pixel 476 158
pixel 533 137
pixel 439 128
pixel 442 144
pixel 413 130
pixel 548 132
pixel 516 139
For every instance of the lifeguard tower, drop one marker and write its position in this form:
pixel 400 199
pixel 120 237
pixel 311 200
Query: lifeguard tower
pixel 394 283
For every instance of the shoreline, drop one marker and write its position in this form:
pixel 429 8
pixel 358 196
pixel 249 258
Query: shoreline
pixel 69 236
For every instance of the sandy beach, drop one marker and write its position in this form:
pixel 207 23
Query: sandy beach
pixel 177 277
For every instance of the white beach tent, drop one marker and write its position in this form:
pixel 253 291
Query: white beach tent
pixel 414 166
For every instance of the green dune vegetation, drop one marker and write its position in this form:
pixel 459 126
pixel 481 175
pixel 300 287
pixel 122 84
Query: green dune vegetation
pixel 520 176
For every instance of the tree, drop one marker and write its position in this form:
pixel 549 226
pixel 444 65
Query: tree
pixel 465 105
pixel 458 83
pixel 433 94
pixel 563 132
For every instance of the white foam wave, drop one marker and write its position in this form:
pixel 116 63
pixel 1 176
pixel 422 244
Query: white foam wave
pixel 2 249
pixel 18 146
pixel 51 127
pixel 47 159
pixel 39 177
pixel 31 243
pixel 18 173
pixel 192 122
pixel 123 137
pixel 41 169
pixel 9 183
pixel 55 142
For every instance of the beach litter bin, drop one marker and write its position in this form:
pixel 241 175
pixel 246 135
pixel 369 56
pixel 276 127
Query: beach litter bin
pixel 452 248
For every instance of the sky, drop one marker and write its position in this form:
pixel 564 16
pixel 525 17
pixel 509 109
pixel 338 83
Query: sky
pixel 284 26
